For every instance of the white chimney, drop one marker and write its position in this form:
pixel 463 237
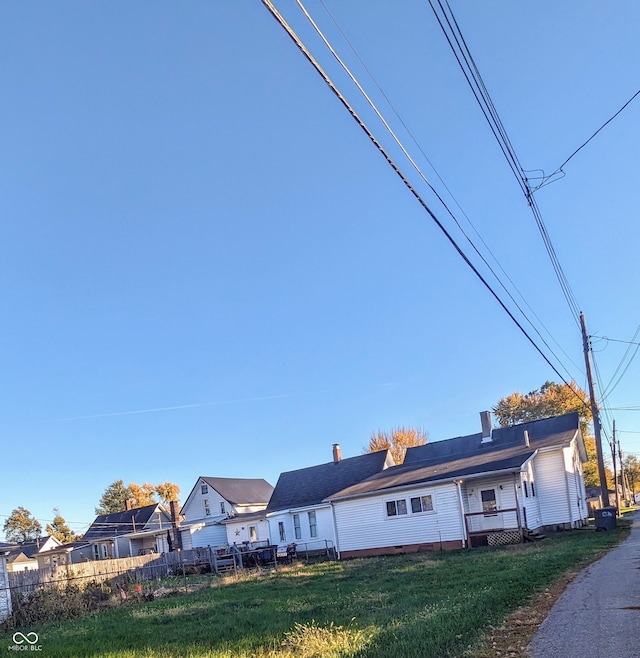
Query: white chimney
pixel 337 453
pixel 527 442
pixel 485 419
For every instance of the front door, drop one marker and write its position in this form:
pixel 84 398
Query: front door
pixel 491 520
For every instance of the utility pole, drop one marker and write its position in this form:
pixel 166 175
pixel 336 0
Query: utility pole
pixel 595 412
pixel 622 473
pixel 614 453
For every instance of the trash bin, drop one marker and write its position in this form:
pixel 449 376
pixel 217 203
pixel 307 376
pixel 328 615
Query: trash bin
pixel 606 519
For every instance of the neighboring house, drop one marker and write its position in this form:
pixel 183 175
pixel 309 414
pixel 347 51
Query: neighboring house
pixel 297 512
pixel 132 532
pixel 23 557
pixel 71 553
pixel 5 592
pixel 493 487
pixel 213 500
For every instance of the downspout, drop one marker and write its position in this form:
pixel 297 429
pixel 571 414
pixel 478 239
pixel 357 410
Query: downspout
pixel 463 525
pixel 335 530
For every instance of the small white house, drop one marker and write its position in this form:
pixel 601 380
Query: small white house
pixel 297 512
pixel 23 556
pixel 213 500
pixel 498 486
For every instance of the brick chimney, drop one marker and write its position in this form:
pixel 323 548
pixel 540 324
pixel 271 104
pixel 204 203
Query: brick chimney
pixel 127 504
pixel 337 453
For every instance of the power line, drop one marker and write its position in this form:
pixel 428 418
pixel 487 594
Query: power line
pixel 455 38
pixel 307 54
pixel 420 173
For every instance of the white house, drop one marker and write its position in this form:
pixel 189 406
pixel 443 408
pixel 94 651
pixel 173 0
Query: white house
pixel 213 500
pixel 298 511
pixel 497 486
pixel 23 556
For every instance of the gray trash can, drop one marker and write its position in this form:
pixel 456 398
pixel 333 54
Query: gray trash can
pixel 605 519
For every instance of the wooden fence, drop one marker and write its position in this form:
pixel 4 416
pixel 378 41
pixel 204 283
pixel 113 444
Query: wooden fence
pixel 143 567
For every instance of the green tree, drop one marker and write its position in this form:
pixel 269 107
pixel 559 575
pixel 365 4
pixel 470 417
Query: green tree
pixel 21 526
pixel 59 529
pixel 397 441
pixel 114 499
pixel 632 470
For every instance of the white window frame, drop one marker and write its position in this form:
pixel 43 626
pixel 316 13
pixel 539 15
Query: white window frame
pixel 207 507
pixel 313 524
pixel 399 505
pixel 430 508
pixel 297 529
pixel 281 531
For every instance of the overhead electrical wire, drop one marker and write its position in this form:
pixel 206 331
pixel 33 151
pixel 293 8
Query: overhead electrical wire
pixel 457 43
pixel 556 174
pixel 419 171
pixel 424 155
pixel 308 55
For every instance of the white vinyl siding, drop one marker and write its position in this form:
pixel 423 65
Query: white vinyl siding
pixel 551 487
pixel 505 499
pixel 210 534
pixel 323 526
pixel 362 523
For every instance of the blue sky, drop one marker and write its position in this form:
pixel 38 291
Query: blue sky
pixel 207 268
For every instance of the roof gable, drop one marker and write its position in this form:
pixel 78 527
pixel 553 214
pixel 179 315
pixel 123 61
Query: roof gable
pixel 122 523
pixel 310 486
pixel 241 491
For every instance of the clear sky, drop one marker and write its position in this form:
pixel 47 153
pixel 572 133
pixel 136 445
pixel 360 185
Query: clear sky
pixel 207 268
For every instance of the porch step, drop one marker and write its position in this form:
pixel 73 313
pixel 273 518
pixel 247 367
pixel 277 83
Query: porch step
pixel 533 535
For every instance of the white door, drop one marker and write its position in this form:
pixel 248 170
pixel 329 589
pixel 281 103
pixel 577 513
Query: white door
pixel 491 520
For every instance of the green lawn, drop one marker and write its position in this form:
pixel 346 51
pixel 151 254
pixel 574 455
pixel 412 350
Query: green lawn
pixel 423 605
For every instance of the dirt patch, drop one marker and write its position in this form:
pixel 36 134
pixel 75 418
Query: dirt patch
pixel 510 640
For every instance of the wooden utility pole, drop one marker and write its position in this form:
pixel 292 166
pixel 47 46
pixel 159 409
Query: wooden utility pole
pixel 595 412
pixel 625 493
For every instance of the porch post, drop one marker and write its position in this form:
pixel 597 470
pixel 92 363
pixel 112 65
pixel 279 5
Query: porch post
pixel 518 515
pixel 463 519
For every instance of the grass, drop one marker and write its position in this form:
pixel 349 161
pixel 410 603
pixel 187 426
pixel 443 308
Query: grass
pixel 421 605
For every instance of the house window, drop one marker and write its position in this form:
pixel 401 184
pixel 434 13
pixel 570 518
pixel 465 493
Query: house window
pixel 283 536
pixel 207 508
pixel 489 503
pixel 533 491
pixel 204 489
pixel 297 531
pixel 421 504
pixel 526 489
pixel 313 524
pixel 222 508
pixel 253 533
pixel 396 507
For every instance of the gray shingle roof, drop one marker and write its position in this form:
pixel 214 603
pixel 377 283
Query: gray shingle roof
pixel 119 523
pixel 540 432
pixel 463 457
pixel 241 491
pixel 310 486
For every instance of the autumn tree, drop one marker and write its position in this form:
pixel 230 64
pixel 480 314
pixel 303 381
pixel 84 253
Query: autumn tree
pixel 59 529
pixel 549 400
pixel 397 441
pixel 115 497
pixel 167 492
pixel 21 526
